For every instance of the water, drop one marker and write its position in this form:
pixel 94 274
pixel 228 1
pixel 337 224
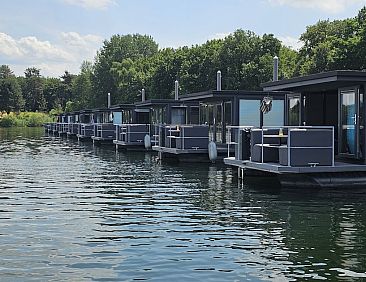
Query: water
pixel 73 212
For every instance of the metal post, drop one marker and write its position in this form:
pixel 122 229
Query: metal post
pixel 109 100
pixel 275 68
pixel 143 97
pixel 176 90
pixel 218 81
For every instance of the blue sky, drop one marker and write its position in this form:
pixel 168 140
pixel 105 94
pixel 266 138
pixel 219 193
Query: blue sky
pixel 57 35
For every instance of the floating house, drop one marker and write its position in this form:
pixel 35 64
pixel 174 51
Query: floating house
pixel 73 124
pixel 323 140
pixel 163 114
pixel 86 125
pixel 104 130
pixel 215 114
pixel 132 124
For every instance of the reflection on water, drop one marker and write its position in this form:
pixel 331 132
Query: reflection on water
pixel 71 211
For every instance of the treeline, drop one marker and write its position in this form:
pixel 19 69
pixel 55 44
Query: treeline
pixel 127 63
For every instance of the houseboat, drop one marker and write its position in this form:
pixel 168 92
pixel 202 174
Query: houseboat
pixel 132 125
pixel 86 125
pixel 323 140
pixel 165 115
pixel 206 137
pixel 104 130
pixel 73 124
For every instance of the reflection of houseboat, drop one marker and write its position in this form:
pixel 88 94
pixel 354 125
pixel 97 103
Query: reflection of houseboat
pixel 216 112
pixel 323 142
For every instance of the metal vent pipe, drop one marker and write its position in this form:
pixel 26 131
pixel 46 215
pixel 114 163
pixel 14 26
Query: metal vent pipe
pixel 218 81
pixel 143 97
pixel 109 100
pixel 275 68
pixel 176 90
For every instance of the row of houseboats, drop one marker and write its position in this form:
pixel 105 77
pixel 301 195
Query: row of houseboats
pixel 308 131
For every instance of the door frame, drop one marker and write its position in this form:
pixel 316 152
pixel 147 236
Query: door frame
pixel 356 155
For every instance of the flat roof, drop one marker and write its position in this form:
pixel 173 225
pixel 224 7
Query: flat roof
pixel 158 102
pixel 228 94
pixel 319 81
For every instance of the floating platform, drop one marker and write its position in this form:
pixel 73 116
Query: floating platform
pixel 342 174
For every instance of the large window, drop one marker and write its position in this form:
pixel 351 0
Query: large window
pixel 249 113
pixel 275 116
pixel 195 114
pixel 178 116
pixel 294 110
pixel 117 117
pixel 227 113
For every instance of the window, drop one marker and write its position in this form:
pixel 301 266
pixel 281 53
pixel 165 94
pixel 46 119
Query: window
pixel 195 114
pixel 249 113
pixel 294 110
pixel 275 116
pixel 227 113
pixel 178 115
pixel 117 117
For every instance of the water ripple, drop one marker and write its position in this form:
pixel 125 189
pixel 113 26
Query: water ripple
pixel 71 211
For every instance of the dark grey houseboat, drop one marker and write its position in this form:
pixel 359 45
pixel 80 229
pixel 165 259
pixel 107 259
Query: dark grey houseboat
pixel 323 142
pixel 132 124
pixel 73 124
pixel 86 125
pixel 164 117
pixel 104 130
pixel 218 111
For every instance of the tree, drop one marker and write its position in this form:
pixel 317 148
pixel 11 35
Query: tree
pixel 33 90
pixel 5 72
pixel 117 49
pixel 82 87
pixel 11 98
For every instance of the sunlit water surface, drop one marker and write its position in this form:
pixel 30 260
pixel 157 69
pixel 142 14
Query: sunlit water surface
pixel 71 211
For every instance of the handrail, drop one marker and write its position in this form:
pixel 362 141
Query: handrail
pixel 292 129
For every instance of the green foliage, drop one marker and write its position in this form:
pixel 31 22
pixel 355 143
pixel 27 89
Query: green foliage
pixel 33 90
pixel 11 97
pixel 118 49
pixel 24 119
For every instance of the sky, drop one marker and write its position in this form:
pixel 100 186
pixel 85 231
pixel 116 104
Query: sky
pixel 58 35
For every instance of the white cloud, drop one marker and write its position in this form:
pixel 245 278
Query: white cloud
pixel 53 58
pixel 331 6
pixel 36 49
pixel 292 42
pixel 91 4
pixel 220 35
pixel 8 46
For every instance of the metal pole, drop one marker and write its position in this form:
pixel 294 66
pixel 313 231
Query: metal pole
pixel 275 68
pixel 218 81
pixel 176 90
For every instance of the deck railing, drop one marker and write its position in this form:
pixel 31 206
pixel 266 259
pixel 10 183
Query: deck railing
pixel 193 137
pixel 86 129
pixel 132 133
pixel 293 146
pixel 104 130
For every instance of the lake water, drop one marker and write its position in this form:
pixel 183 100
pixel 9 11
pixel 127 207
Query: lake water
pixel 69 211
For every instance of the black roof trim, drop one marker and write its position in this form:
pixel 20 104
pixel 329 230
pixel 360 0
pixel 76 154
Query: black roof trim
pixel 318 78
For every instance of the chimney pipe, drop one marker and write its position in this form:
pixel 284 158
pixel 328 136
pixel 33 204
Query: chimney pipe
pixel 176 90
pixel 143 97
pixel 109 100
pixel 218 81
pixel 275 68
